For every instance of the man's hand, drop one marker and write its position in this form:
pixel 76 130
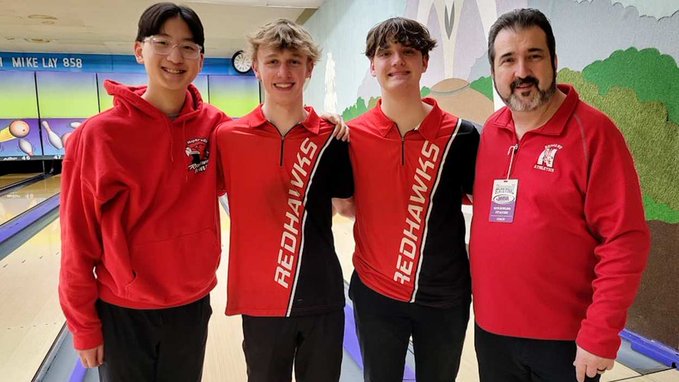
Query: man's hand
pixel 92 357
pixel 590 365
pixel 341 131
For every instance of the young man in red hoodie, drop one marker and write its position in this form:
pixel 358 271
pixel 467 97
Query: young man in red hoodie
pixel 284 275
pixel 558 239
pixel 412 163
pixel 139 214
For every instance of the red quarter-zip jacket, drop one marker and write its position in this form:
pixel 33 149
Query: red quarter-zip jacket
pixel 139 213
pixel 569 265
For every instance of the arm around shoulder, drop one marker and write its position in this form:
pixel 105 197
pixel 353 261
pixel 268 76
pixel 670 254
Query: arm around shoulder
pixel 345 207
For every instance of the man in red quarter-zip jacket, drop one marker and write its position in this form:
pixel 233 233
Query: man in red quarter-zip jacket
pixel 281 169
pixel 558 238
pixel 412 163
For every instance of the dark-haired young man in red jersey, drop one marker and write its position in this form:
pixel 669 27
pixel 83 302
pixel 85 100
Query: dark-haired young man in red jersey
pixel 412 163
pixel 281 169
pixel 558 238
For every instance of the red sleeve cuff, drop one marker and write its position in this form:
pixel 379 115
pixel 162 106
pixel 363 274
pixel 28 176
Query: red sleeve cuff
pixel 605 346
pixel 88 341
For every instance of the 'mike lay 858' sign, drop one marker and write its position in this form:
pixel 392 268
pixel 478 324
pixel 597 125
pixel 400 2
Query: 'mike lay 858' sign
pixel 97 63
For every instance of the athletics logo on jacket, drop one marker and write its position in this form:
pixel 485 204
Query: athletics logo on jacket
pixel 196 150
pixel 546 158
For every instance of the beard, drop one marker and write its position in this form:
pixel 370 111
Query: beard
pixel 539 98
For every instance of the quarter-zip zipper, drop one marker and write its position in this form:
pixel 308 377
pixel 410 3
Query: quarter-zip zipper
pixel 282 149
pixel 513 151
pixel 280 160
pixel 403 144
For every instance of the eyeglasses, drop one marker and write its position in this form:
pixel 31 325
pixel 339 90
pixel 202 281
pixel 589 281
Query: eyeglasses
pixel 163 46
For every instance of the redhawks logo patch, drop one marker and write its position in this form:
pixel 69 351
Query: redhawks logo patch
pixel 198 154
pixel 547 158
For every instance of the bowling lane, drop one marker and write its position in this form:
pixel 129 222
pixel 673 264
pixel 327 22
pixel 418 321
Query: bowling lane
pixel 19 201
pixel 224 359
pixel 30 315
pixel 9 179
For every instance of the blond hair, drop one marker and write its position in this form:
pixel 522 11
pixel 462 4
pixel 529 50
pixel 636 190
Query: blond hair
pixel 283 34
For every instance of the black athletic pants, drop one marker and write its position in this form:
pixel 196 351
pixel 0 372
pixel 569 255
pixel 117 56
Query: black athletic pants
pixel 513 359
pixel 384 327
pixel 154 345
pixel 313 344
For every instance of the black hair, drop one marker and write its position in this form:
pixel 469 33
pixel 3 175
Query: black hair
pixel 521 19
pixel 155 16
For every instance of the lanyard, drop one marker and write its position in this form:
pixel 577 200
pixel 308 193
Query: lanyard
pixel 513 149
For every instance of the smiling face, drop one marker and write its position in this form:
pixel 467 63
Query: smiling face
pixel 523 72
pixel 282 73
pixel 172 72
pixel 398 67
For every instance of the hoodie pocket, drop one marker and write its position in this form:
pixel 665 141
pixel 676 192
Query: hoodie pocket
pixel 172 271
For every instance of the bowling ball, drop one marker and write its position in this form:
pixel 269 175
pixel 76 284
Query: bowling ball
pixel 19 128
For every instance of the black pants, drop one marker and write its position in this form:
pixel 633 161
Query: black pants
pixel 512 359
pixel 312 343
pixel 384 327
pixel 154 345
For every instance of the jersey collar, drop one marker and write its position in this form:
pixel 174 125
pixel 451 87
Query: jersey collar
pixel 311 123
pixel 429 128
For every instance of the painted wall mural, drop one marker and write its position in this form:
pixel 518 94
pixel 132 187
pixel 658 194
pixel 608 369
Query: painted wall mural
pixel 45 97
pixel 621 55
pixel 19 131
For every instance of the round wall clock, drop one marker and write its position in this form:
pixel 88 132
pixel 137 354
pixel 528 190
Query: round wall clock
pixel 241 62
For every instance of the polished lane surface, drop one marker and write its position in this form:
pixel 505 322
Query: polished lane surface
pixel 30 318
pixel 19 201
pixel 9 179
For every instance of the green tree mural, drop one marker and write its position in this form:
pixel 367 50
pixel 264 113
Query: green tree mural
pixel 653 140
pixel 483 85
pixel 653 76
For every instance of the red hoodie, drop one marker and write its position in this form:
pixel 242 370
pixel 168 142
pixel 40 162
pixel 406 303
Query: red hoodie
pixel 139 208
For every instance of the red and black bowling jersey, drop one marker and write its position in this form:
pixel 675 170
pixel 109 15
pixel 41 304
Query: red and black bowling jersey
pixel 409 228
pixel 282 259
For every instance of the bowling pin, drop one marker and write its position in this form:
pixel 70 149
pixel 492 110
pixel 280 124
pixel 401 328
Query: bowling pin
pixel 53 137
pixel 65 137
pixel 26 146
pixel 75 125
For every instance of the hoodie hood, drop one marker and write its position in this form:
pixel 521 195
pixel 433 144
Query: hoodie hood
pixel 129 97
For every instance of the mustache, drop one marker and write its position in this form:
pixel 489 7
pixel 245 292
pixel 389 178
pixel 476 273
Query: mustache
pixel 530 80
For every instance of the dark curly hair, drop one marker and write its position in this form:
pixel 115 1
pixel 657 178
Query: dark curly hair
pixel 400 30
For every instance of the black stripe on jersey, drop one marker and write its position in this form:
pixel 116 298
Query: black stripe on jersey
pixel 425 231
pixel 443 277
pixel 300 252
